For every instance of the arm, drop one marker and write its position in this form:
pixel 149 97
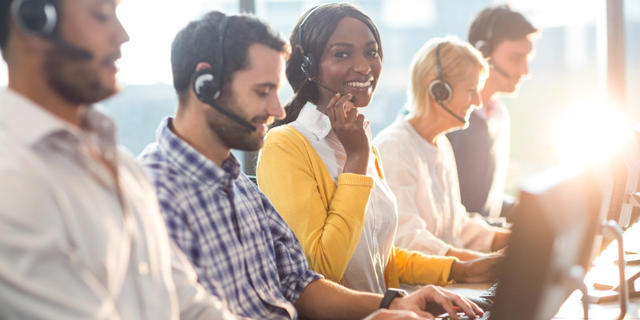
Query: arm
pixel 410 186
pixel 38 276
pixel 323 299
pixel 417 268
pixel 327 220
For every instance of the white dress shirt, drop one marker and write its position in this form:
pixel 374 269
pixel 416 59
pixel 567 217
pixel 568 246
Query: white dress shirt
pixel 74 244
pixel 365 270
pixel 423 177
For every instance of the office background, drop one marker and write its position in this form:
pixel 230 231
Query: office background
pixel 565 94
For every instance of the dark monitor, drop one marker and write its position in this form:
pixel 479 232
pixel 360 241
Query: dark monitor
pixel 553 231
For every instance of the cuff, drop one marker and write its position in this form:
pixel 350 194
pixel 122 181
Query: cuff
pixel 355 179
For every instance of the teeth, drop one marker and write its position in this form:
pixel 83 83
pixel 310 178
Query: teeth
pixel 357 84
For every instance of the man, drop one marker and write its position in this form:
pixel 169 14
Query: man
pixel 505 38
pixel 227 89
pixel 82 237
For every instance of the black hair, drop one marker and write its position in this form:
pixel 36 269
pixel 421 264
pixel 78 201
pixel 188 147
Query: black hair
pixel 4 22
pixel 495 24
pixel 198 42
pixel 317 30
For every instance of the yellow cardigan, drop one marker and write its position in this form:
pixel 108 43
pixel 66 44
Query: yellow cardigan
pixel 328 219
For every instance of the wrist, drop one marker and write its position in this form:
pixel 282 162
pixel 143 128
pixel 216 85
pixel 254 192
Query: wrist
pixel 458 271
pixel 391 298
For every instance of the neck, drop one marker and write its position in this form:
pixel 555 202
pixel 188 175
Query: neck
pixel 430 127
pixel 191 126
pixel 489 92
pixel 28 81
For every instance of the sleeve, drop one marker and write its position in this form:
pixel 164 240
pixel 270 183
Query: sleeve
pixel 328 231
pixel 477 234
pixel 194 301
pixel 39 277
pixel 293 270
pixel 417 268
pixel 400 170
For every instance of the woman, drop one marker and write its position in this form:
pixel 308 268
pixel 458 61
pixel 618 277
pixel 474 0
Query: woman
pixel 321 173
pixel 419 164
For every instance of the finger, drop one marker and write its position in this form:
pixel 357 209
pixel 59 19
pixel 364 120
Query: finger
pixel 465 304
pixel 443 300
pixel 339 108
pixel 424 314
pixel 360 120
pixel 352 115
pixel 330 109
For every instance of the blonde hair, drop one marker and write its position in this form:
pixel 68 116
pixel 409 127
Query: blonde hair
pixel 458 59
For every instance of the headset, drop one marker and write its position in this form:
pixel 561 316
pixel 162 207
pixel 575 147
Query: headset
pixel 486 45
pixel 440 89
pixel 40 18
pixel 308 65
pixel 208 83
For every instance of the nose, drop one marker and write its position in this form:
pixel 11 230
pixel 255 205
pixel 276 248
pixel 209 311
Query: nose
pixel 121 34
pixel 475 100
pixel 362 65
pixel 275 109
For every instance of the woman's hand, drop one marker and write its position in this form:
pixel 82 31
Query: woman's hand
pixel 483 269
pixel 348 126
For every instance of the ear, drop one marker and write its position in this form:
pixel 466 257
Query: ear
pixel 202 66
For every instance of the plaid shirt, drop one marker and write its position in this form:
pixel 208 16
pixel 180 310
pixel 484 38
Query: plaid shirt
pixel 239 245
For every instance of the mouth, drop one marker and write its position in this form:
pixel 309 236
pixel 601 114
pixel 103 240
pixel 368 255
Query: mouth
pixel 111 61
pixel 359 84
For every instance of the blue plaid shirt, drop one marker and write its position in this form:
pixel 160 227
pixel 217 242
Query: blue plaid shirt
pixel 239 245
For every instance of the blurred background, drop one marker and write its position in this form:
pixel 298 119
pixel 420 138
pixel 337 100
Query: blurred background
pixel 563 112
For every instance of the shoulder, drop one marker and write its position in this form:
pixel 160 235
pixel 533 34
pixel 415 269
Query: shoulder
pixel 390 135
pixel 166 178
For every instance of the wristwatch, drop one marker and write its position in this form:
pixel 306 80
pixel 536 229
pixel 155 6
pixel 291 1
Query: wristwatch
pixel 389 295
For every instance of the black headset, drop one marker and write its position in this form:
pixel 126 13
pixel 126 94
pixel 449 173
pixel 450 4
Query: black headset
pixel 485 45
pixel 208 82
pixel 36 17
pixel 439 88
pixel 40 18
pixel 308 65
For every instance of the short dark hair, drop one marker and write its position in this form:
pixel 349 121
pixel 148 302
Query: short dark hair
pixel 317 30
pixel 198 42
pixel 495 24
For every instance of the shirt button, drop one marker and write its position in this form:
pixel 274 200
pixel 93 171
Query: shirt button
pixel 143 268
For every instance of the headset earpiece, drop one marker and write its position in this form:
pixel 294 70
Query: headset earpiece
pixel 483 47
pixel 308 67
pixel 37 17
pixel 205 85
pixel 440 90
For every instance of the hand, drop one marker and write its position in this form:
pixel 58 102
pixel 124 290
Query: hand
pixel 440 298
pixel 483 269
pixel 349 128
pixel 501 239
pixel 386 314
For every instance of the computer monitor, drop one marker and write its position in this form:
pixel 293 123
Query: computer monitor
pixel 624 172
pixel 554 229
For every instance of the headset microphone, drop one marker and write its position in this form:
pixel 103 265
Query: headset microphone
pixel 74 50
pixel 208 83
pixel 440 89
pixel 500 70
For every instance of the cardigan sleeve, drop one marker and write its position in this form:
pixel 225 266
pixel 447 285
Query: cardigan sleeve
pixel 329 231
pixel 417 268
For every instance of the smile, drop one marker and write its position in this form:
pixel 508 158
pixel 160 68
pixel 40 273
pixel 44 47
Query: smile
pixel 357 84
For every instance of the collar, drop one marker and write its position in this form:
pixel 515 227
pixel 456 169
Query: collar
pixel 313 121
pixel 30 123
pixel 192 163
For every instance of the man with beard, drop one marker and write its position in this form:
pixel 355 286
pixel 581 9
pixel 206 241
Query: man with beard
pixel 227 91
pixel 505 38
pixel 82 237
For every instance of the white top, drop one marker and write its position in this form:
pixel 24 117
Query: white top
pixel 424 179
pixel 366 267
pixel 69 250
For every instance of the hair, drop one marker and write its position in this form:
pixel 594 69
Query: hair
pixel 458 60
pixel 496 24
pixel 318 28
pixel 198 42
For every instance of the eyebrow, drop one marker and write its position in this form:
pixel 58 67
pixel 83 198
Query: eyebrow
pixel 346 44
pixel 266 84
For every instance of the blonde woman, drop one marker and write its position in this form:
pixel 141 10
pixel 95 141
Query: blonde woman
pixel 446 76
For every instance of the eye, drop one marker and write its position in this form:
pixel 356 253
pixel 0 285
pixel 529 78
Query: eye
pixel 372 53
pixel 341 54
pixel 263 92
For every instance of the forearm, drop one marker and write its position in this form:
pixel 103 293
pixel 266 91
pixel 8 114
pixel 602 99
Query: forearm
pixel 323 299
pixel 464 254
